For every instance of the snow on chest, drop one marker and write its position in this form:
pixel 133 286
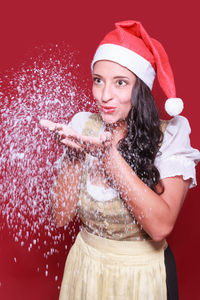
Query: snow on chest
pixel 97 182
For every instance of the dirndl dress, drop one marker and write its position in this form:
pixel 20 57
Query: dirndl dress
pixel 103 269
pixel 113 257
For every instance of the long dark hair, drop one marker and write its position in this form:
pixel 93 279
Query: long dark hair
pixel 141 144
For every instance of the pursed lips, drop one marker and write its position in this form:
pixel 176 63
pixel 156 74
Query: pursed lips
pixel 108 109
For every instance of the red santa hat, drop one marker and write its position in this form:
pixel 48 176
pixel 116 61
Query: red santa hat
pixel 131 46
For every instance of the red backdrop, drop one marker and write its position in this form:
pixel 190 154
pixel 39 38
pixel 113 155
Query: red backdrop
pixel 26 24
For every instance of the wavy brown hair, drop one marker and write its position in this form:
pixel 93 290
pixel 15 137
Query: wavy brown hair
pixel 141 144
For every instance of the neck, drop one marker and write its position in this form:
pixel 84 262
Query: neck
pixel 121 124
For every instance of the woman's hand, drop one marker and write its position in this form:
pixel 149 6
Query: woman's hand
pixel 92 145
pixel 87 144
pixel 60 131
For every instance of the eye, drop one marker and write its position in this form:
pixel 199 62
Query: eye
pixel 97 80
pixel 121 82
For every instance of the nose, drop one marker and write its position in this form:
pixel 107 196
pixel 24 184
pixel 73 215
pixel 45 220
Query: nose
pixel 106 93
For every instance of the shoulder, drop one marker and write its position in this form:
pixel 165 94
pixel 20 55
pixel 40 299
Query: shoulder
pixel 176 124
pixel 179 123
pixel 176 134
pixel 176 155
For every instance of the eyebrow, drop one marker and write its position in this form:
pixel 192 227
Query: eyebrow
pixel 121 77
pixel 116 77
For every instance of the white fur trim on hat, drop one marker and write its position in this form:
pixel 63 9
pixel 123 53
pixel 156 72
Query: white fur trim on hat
pixel 127 58
pixel 174 106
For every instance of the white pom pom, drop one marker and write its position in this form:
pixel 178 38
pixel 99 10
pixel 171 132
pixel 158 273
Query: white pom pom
pixel 174 106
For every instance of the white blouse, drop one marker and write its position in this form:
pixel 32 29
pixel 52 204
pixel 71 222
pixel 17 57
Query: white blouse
pixel 175 157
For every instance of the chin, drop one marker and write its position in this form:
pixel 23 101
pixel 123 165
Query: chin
pixel 109 119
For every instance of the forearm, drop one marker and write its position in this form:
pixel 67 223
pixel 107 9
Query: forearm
pixel 150 210
pixel 65 191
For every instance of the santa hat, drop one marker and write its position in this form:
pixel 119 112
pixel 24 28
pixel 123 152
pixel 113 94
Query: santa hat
pixel 131 46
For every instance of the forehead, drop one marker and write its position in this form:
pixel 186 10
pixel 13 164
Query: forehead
pixel 107 67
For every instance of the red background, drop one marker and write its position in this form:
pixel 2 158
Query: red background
pixel 82 24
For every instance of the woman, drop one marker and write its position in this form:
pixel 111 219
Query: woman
pixel 126 172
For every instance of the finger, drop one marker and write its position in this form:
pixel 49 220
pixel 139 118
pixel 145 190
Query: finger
pixel 59 126
pixel 52 126
pixel 85 141
pixel 48 124
pixel 66 131
pixel 70 144
pixel 61 133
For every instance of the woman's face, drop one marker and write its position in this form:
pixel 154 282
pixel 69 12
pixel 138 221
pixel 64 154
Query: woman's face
pixel 112 90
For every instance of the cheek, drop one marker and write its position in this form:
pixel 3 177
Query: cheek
pixel 126 102
pixel 125 106
pixel 128 107
pixel 95 93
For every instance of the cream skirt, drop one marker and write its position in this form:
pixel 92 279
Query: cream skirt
pixel 103 269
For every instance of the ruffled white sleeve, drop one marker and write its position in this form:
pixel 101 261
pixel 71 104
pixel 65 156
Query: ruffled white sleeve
pixel 176 156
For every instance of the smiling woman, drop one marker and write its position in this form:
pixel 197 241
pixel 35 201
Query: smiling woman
pixel 112 89
pixel 126 173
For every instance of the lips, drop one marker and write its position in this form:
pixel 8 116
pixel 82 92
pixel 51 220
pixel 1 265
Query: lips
pixel 108 109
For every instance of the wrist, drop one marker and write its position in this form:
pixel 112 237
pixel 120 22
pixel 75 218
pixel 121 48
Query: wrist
pixel 109 156
pixel 74 154
pixel 109 164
